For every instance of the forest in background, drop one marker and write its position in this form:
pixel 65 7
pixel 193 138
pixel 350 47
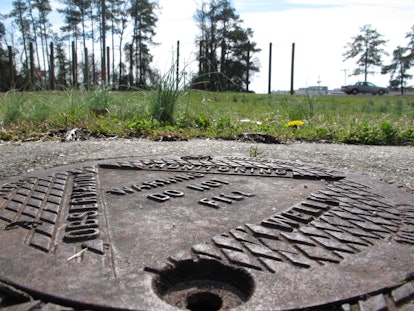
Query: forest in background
pixel 91 48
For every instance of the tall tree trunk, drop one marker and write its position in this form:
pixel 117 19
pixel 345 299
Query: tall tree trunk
pixel 45 43
pixel 24 34
pixel 113 50
pixel 103 38
pixel 120 56
pixel 93 51
pixel 34 27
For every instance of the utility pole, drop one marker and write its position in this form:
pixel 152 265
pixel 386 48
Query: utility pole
pixel 103 58
pixel 292 70
pixel 86 70
pixel 31 55
pixel 269 88
pixel 11 63
pixel 52 68
pixel 344 70
pixel 74 66
pixel 248 68
pixel 131 65
pixel 319 84
pixel 178 65
pixel 108 66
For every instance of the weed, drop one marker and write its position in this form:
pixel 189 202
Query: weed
pixel 202 121
pixel 398 108
pixel 254 152
pixel 12 108
pixel 164 99
pixel 300 108
pixel 74 108
pixel 389 133
pixel 407 136
pixel 99 99
pixel 384 108
pixel 372 134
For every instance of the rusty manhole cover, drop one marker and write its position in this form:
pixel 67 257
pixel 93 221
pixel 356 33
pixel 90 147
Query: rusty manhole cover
pixel 204 233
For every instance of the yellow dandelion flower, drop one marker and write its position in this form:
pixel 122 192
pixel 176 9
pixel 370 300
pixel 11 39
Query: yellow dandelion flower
pixel 295 123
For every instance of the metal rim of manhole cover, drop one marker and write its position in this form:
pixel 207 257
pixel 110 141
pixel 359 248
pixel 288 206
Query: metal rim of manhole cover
pixel 204 233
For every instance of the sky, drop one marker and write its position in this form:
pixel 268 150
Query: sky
pixel 320 30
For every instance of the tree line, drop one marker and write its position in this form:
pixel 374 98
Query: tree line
pixel 368 48
pixel 97 30
pixel 114 40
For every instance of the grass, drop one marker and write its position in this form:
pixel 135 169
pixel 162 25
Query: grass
pixel 379 120
pixel 164 99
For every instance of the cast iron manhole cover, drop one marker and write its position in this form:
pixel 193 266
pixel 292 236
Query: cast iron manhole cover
pixel 204 233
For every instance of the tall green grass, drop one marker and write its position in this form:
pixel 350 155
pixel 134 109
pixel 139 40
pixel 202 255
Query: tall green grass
pixel 174 112
pixel 164 99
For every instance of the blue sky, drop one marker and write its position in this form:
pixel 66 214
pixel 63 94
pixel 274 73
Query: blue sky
pixel 269 5
pixel 320 30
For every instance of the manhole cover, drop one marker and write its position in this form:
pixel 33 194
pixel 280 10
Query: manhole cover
pixel 204 233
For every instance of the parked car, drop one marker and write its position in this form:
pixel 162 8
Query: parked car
pixel 364 87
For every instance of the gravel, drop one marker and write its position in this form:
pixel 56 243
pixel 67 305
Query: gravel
pixel 393 164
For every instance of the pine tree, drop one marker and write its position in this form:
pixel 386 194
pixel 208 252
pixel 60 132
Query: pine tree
pixel 61 64
pixel 144 19
pixel 4 65
pixel 120 31
pixel 225 48
pixel 367 47
pixel 20 19
pixel 403 59
pixel 410 37
pixel 115 12
pixel 43 8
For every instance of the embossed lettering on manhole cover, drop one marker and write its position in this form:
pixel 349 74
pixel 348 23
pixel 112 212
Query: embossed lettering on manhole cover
pixel 193 233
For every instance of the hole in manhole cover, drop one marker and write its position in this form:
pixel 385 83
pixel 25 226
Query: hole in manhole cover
pixel 204 301
pixel 204 285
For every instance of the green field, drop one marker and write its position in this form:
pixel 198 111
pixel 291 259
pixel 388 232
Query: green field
pixel 378 120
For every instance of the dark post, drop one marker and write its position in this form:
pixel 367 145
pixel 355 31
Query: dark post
pixel 269 88
pixel 86 73
pixel 292 70
pixel 93 69
pixel 248 67
pixel 103 59
pixel 178 64
pixel 402 74
pixel 52 68
pixel 366 62
pixel 222 64
pixel 200 58
pixel 74 66
pixel 131 66
pixel 11 64
pixel 108 62
pixel 31 64
pixel 206 67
